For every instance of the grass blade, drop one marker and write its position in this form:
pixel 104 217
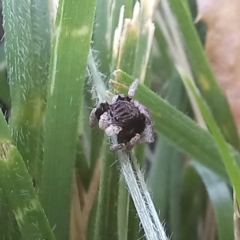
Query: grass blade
pixel 16 184
pixel 107 212
pixel 211 90
pixel 231 167
pixel 8 228
pixel 166 169
pixel 70 46
pixel 5 132
pixel 149 219
pixel 183 69
pixel 25 25
pixel 18 188
pixel 221 200
pixel 191 210
pixel 4 87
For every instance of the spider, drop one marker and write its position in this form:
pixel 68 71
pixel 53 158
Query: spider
pixel 126 118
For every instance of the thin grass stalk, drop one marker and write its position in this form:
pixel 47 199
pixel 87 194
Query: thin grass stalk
pixel 135 230
pixel 126 44
pixel 69 54
pixel 236 217
pixel 147 213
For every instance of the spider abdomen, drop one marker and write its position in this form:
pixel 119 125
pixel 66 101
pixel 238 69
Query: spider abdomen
pixel 131 128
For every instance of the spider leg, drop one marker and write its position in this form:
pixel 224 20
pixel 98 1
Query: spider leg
pixel 133 141
pixel 127 146
pixel 112 130
pixel 93 118
pixel 104 121
pixel 147 135
pixel 118 146
pixel 133 88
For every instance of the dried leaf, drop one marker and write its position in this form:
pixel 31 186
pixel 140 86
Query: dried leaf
pixel 223 46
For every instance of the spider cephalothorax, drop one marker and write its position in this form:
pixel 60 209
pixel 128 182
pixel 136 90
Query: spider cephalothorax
pixel 126 118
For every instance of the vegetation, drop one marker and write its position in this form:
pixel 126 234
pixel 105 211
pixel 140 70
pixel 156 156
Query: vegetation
pixel 58 178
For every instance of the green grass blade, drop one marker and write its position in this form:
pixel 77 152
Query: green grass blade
pixel 128 39
pixel 101 38
pixel 159 177
pixel 211 90
pixel 91 141
pixel 82 168
pixel 26 24
pixel 166 170
pixel 8 228
pixel 221 200
pixel 176 170
pixel 193 204
pixel 106 223
pixel 17 186
pixel 123 210
pixel 175 126
pixel 4 87
pixel 4 129
pixel 106 226
pixel 127 45
pixel 231 166
pixel 67 74
pixel 145 40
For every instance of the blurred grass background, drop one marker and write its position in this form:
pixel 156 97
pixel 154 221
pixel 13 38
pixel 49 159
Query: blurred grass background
pixel 51 72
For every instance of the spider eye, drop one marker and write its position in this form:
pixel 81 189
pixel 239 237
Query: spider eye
pixel 117 119
pixel 111 113
pixel 115 98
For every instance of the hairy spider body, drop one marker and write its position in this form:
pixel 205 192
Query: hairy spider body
pixel 126 118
